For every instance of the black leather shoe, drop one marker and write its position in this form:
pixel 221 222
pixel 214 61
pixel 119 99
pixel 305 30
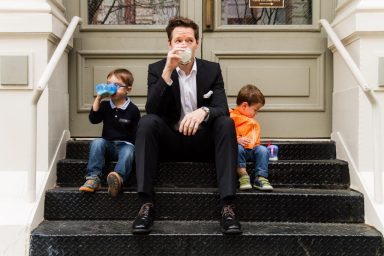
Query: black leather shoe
pixel 144 220
pixel 229 223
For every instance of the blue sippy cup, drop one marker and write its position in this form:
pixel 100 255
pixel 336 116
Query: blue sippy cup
pixel 106 89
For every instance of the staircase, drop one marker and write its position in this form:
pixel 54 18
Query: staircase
pixel 312 211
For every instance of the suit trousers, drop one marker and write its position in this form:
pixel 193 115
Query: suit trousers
pixel 156 141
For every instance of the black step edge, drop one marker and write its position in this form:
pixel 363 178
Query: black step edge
pixel 331 174
pixel 288 150
pixel 204 238
pixel 295 205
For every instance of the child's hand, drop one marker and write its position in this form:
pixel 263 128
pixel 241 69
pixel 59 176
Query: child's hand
pixel 243 141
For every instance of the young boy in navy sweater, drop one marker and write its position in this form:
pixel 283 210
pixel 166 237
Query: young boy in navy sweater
pixel 120 117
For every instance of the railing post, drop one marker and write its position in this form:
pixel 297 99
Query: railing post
pixel 31 175
pixel 377 138
pixel 377 154
pixel 42 84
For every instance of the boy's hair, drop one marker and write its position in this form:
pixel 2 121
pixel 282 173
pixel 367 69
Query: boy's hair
pixel 250 94
pixel 122 74
pixel 181 22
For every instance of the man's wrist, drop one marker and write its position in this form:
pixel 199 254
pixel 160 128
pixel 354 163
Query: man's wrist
pixel 207 111
pixel 167 77
pixel 168 82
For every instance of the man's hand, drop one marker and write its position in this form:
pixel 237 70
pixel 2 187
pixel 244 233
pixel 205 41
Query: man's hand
pixel 172 62
pixel 243 141
pixel 191 122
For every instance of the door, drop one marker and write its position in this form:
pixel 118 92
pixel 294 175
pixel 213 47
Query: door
pixel 281 50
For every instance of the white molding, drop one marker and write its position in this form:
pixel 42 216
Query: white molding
pixel 58 4
pixel 352 7
pixel 31 16
pixel 371 6
pixel 83 55
pixel 373 210
pixel 54 39
pixel 316 104
pixel 38 213
pixel 30 71
pixel 24 6
pixel 344 5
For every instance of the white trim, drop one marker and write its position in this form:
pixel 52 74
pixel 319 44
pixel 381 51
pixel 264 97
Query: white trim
pixel 58 4
pixel 376 110
pixel 30 71
pixel 24 6
pixel 374 212
pixel 37 92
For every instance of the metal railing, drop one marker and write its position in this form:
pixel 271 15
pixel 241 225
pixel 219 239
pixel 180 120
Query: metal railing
pixel 376 110
pixel 38 91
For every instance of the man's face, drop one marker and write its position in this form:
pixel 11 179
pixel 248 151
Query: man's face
pixel 183 37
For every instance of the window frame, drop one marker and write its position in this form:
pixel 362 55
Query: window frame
pixel 132 28
pixel 315 26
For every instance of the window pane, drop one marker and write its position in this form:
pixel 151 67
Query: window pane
pixel 132 12
pixel 237 12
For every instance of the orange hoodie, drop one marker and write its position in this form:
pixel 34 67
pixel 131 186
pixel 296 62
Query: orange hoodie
pixel 246 127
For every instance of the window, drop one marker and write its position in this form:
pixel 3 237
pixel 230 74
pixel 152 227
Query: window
pixel 132 12
pixel 238 12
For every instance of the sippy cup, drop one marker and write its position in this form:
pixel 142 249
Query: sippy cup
pixel 273 151
pixel 106 89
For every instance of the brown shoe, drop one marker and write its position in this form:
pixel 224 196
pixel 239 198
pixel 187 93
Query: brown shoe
pixel 115 183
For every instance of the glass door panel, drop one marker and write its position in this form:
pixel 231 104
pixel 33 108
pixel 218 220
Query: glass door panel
pixel 132 12
pixel 294 12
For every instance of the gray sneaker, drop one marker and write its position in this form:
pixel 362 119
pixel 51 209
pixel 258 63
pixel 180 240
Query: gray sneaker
pixel 91 185
pixel 262 183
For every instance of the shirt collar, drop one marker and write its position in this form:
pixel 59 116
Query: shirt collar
pixel 123 107
pixel 194 69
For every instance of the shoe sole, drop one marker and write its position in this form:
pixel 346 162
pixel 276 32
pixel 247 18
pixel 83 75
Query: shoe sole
pixel 263 189
pixel 141 231
pixel 88 190
pixel 114 184
pixel 245 187
pixel 231 232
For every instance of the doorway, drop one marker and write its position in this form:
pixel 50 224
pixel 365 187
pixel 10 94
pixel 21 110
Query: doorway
pixel 281 50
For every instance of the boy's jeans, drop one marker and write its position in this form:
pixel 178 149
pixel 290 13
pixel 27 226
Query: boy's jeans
pixel 259 155
pixel 101 149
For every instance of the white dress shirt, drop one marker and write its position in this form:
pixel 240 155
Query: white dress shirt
pixel 188 94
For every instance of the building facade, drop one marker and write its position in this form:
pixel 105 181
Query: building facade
pixel 309 89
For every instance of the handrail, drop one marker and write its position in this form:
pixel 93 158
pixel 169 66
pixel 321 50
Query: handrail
pixel 41 86
pixel 376 110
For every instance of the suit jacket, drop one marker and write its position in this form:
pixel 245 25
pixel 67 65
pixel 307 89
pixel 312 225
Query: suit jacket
pixel 164 100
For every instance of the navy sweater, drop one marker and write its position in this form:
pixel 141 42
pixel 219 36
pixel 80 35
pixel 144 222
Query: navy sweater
pixel 118 124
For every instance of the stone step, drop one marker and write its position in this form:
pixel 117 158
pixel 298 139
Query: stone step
pixel 204 238
pixel 288 150
pixel 293 205
pixel 332 174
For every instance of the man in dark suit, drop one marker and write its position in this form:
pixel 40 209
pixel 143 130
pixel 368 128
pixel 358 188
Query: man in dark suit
pixel 187 120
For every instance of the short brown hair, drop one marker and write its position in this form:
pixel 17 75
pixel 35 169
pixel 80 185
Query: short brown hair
pixel 181 22
pixel 122 74
pixel 250 94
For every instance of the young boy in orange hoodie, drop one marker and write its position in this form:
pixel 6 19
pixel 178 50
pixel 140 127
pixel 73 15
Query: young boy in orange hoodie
pixel 249 100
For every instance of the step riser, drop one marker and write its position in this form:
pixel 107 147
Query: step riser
pixel 330 174
pixel 203 206
pixel 287 150
pixel 289 222
pixel 288 245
